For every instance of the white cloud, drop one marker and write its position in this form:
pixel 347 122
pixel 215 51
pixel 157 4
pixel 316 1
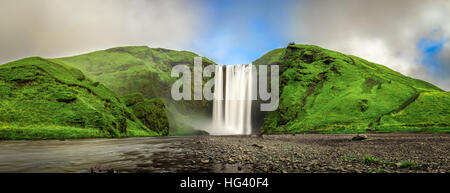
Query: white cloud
pixel 53 28
pixel 381 31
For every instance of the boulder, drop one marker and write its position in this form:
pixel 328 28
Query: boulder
pixel 359 137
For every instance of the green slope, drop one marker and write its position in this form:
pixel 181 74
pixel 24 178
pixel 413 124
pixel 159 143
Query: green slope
pixel 140 69
pixel 321 91
pixel 40 98
pixel 326 91
pixel 151 112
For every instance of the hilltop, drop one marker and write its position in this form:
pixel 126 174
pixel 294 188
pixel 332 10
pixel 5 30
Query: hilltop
pixel 144 70
pixel 330 92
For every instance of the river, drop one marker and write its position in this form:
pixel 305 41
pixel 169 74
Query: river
pixel 146 154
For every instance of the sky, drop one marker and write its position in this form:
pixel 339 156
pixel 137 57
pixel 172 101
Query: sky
pixel 409 36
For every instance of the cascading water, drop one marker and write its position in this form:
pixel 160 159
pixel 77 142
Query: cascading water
pixel 232 100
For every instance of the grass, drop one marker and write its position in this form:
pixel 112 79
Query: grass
pixel 368 159
pixel 125 91
pixel 140 69
pixel 151 112
pixel 287 148
pixel 49 132
pixel 127 70
pixel 61 132
pixel 281 168
pixel 324 91
pixel 386 129
pixel 45 99
pixel 349 158
pixel 407 164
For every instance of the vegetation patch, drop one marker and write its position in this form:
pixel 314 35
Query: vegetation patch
pixel 323 91
pixel 368 159
pixel 409 165
pixel 151 112
pixel 140 69
pixel 43 99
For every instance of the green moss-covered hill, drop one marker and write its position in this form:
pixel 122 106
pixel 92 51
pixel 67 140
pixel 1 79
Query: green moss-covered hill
pixel 40 98
pixel 151 112
pixel 140 69
pixel 326 91
pixel 125 91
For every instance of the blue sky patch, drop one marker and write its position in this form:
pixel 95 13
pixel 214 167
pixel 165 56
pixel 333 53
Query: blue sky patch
pixel 245 31
pixel 430 49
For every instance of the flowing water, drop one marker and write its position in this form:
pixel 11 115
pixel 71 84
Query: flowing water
pixel 149 154
pixel 232 100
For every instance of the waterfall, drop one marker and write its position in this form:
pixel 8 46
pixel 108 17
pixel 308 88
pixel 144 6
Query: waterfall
pixel 232 100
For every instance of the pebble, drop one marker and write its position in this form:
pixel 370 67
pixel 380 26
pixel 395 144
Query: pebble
pixel 205 161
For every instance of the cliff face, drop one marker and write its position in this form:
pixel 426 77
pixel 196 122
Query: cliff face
pixel 45 99
pixel 326 91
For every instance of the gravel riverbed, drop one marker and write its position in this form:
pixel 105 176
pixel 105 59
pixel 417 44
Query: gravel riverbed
pixel 323 153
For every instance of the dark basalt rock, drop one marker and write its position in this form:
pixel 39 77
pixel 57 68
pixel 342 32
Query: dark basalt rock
pixel 359 137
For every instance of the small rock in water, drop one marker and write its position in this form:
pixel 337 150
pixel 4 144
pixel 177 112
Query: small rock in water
pixel 359 137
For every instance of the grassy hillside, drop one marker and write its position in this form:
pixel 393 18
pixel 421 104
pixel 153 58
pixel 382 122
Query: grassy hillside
pixel 151 112
pixel 326 91
pixel 40 98
pixel 320 91
pixel 140 69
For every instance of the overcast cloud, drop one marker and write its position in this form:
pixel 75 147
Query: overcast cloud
pixel 382 31
pixel 54 28
pixel 409 36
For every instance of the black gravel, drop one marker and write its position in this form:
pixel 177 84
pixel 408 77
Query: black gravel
pixel 323 153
